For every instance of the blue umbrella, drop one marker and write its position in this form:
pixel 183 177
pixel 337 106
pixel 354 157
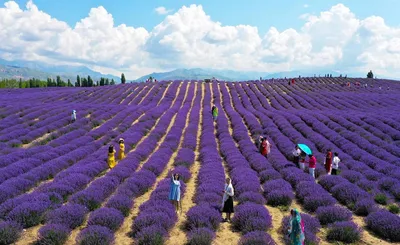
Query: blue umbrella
pixel 305 148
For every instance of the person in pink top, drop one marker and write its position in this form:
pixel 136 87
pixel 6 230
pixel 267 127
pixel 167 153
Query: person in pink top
pixel 312 163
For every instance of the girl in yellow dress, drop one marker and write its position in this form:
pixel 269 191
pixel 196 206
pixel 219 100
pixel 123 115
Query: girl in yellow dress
pixel 121 153
pixel 111 156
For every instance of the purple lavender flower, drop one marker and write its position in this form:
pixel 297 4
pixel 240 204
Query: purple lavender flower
pixel 54 234
pixel 385 225
pixel 200 236
pixel 95 235
pixel 10 232
pixel 107 217
pixel 331 214
pixel 344 231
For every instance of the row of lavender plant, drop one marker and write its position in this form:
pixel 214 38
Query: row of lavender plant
pixel 76 181
pixel 306 189
pixel 157 216
pixel 91 198
pixel 72 138
pixel 277 191
pixel 359 196
pixel 251 218
pixel 204 218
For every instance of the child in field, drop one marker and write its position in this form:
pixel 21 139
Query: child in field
pixel 121 153
pixel 111 156
pixel 302 162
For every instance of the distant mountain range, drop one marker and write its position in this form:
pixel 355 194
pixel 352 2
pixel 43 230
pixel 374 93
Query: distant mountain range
pixel 228 75
pixel 27 69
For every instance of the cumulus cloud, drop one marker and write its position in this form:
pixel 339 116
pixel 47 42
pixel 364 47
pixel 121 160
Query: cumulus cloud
pixel 191 38
pixel 162 10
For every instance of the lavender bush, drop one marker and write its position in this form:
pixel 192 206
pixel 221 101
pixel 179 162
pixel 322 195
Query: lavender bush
pixel 95 235
pixel 345 231
pixel 331 214
pixel 9 232
pixel 200 236
pixel 53 234
pixel 384 224
pixel 256 238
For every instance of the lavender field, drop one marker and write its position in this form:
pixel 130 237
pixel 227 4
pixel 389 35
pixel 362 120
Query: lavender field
pixel 56 187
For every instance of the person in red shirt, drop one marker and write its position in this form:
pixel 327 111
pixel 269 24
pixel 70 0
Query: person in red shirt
pixel 293 81
pixel 265 147
pixel 312 163
pixel 328 162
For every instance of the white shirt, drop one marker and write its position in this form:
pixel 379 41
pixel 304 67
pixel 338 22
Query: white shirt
pixel 228 192
pixel 335 162
pixel 296 153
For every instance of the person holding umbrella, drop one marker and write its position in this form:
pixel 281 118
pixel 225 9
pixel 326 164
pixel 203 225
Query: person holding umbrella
pixel 296 155
pixel 305 150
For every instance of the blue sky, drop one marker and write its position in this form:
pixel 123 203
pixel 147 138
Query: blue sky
pixel 282 14
pixel 256 35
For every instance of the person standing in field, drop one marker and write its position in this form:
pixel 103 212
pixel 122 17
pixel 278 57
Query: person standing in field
pixel 73 116
pixel 265 147
pixel 302 162
pixel 296 228
pixel 328 162
pixel 335 164
pixel 296 155
pixel 121 153
pixel 214 112
pixel 259 142
pixel 175 191
pixel 111 157
pixel 312 163
pixel 227 200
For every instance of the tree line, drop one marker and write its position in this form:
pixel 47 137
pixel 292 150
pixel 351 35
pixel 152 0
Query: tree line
pixel 58 82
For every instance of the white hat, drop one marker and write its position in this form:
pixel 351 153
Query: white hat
pixel 121 139
pixel 73 111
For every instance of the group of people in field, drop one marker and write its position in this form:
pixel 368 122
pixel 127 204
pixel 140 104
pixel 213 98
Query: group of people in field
pixel 296 225
pixel 331 162
pixel 111 153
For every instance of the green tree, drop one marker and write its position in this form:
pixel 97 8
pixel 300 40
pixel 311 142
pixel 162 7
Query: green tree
pixel 58 81
pixel 84 82
pixel 112 82
pixel 370 74
pixel 69 83
pixel 90 82
pixel 78 81
pixel 123 80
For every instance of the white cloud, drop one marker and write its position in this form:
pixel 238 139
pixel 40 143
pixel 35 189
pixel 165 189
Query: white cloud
pixel 335 38
pixel 305 5
pixel 162 10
